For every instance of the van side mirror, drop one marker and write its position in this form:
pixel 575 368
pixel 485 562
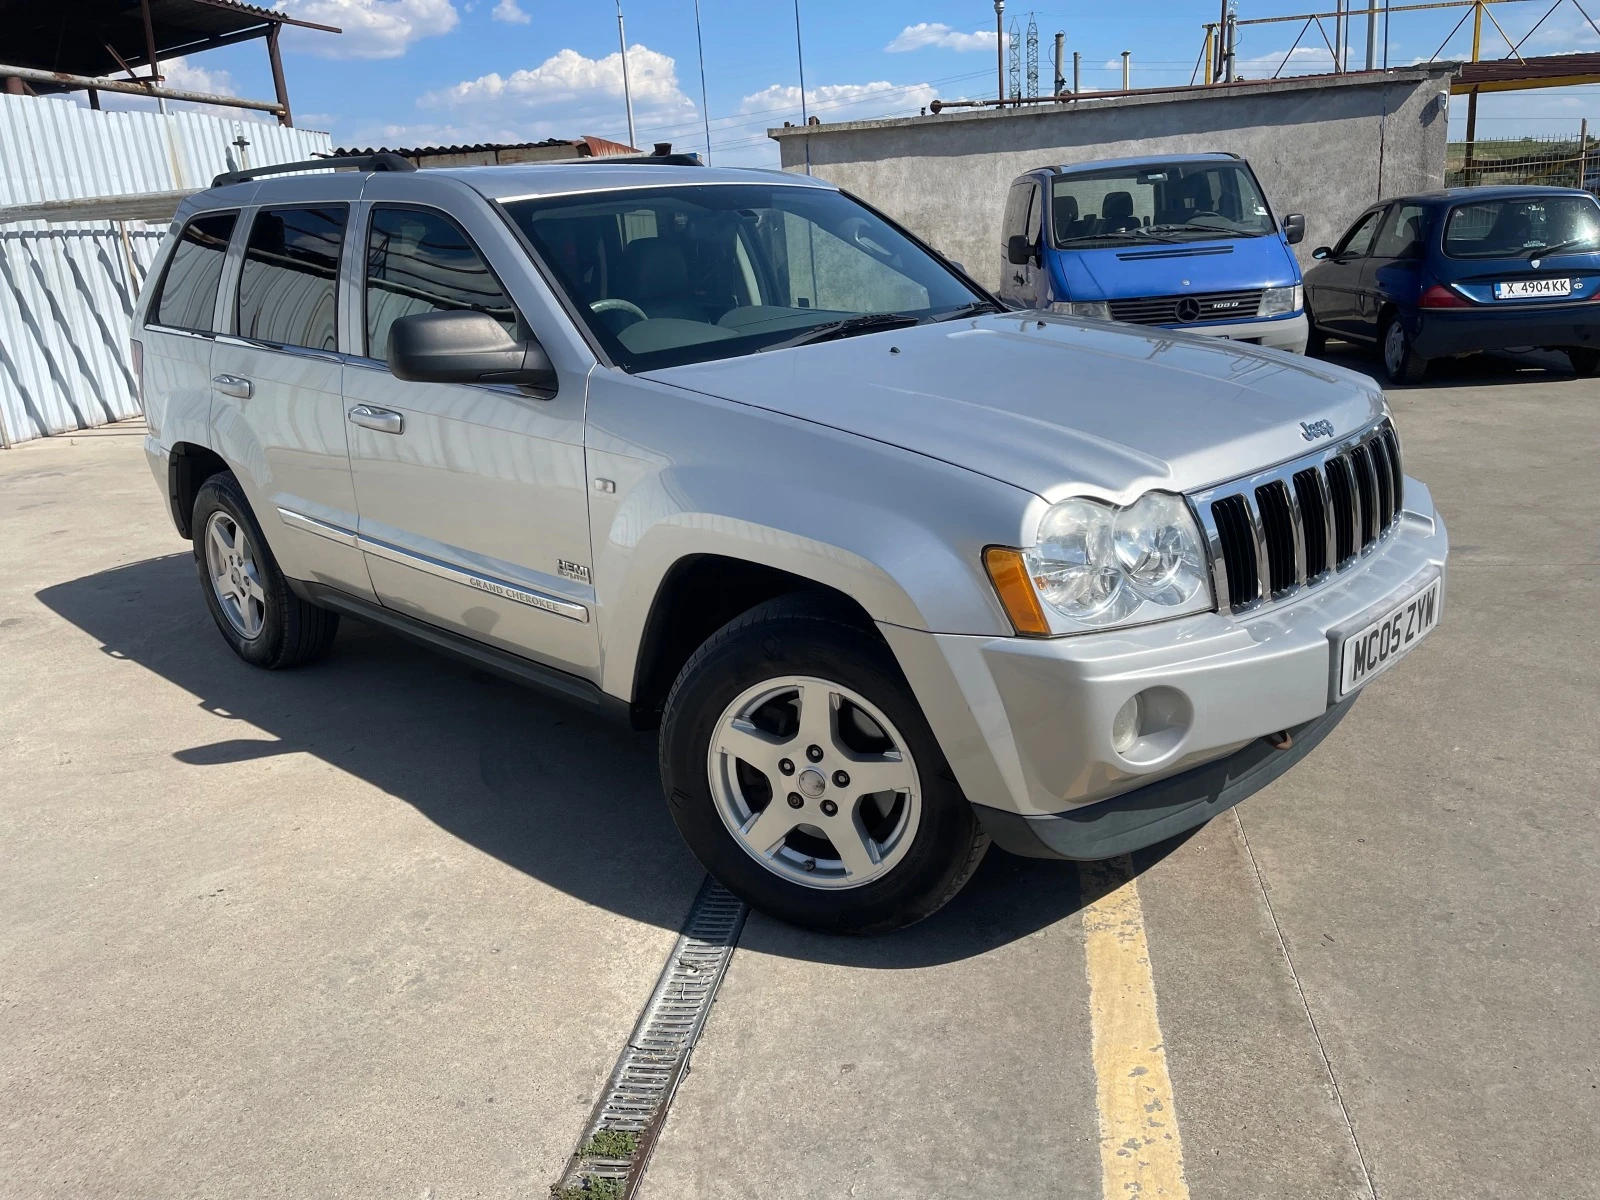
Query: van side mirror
pixel 1294 227
pixel 1020 250
pixel 465 347
pixel 1322 252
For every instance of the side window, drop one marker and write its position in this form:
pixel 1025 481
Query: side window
pixel 1016 218
pixel 188 296
pixel 420 261
pixel 290 276
pixel 1402 233
pixel 1035 215
pixel 1358 241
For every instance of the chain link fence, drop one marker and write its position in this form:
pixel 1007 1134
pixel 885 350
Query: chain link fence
pixel 1551 161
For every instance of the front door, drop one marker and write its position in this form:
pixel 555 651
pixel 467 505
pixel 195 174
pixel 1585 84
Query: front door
pixel 1393 270
pixel 1023 217
pixel 1336 293
pixel 277 376
pixel 473 499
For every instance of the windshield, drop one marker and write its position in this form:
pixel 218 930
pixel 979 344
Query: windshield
pixel 671 275
pixel 1174 202
pixel 1513 228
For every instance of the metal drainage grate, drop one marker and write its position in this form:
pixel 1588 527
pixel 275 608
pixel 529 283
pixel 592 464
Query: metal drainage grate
pixel 656 1057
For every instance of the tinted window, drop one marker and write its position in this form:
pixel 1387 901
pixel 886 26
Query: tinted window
pixel 1162 202
pixel 189 290
pixel 1402 232
pixel 420 261
pixel 669 275
pixel 290 273
pixel 1359 240
pixel 1016 218
pixel 1516 228
pixel 1035 215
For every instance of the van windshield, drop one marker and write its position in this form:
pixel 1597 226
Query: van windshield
pixel 1171 202
pixel 671 275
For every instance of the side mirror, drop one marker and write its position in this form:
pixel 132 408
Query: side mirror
pixel 465 347
pixel 1019 250
pixel 1294 227
pixel 1322 252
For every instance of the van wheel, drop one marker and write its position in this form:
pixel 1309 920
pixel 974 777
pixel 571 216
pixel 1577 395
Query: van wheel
pixel 802 774
pixel 1401 363
pixel 260 617
pixel 1585 360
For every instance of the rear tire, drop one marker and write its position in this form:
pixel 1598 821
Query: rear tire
pixel 1401 362
pixel 250 600
pixel 1585 360
pixel 814 699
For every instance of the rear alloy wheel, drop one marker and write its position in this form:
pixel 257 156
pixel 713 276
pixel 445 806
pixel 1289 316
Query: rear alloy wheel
pixel 1585 360
pixel 802 773
pixel 1401 363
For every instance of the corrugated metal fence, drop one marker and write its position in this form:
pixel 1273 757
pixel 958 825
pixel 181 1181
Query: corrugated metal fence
pixel 67 290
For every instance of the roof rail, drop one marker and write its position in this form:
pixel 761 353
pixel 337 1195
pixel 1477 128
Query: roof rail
pixel 383 161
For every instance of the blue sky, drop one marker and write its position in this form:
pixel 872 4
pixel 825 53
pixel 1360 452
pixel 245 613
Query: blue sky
pixel 418 72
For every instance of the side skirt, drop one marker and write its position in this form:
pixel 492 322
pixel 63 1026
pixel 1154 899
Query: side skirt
pixel 510 666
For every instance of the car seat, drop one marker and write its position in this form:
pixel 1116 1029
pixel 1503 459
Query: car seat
pixel 1117 213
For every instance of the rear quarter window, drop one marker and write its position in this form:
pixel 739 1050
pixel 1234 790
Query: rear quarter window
pixel 188 295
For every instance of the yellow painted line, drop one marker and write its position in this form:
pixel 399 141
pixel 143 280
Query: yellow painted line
pixel 1141 1153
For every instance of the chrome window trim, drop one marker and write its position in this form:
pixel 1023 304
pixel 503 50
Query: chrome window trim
pixel 543 601
pixel 233 339
pixel 1283 474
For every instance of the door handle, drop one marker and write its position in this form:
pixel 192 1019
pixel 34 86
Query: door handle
pixel 233 385
pixel 383 420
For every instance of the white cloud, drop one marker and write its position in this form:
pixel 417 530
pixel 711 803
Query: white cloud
pixel 508 11
pixel 564 96
pixel 372 28
pixel 935 34
pixel 1304 60
pixel 840 101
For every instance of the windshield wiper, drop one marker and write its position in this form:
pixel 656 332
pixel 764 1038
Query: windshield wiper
pixel 1559 247
pixel 968 310
pixel 864 323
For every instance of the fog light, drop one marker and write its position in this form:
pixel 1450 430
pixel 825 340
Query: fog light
pixel 1125 725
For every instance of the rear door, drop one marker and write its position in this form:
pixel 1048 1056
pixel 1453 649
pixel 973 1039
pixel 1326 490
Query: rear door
pixel 1336 290
pixel 277 378
pixel 1392 274
pixel 473 498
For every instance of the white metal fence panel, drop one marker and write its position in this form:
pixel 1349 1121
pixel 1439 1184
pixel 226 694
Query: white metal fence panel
pixel 67 290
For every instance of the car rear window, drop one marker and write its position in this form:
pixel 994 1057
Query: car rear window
pixel 188 297
pixel 290 275
pixel 1514 228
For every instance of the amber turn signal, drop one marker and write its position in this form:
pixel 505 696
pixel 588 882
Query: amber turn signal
pixel 1009 574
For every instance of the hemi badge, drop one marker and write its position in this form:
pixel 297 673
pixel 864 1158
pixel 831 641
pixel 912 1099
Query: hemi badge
pixel 572 570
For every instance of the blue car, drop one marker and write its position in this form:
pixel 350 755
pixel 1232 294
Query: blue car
pixel 1461 271
pixel 1186 242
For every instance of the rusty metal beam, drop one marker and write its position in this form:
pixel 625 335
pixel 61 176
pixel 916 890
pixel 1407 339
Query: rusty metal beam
pixel 285 117
pixel 64 80
pixel 275 17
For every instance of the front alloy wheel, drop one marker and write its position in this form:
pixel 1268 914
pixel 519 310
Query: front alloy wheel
pixel 815 783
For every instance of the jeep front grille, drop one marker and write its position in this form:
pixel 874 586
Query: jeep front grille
pixel 1298 525
pixel 1187 309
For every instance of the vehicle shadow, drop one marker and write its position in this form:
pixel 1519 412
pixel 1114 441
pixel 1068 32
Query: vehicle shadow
pixel 559 794
pixel 1474 370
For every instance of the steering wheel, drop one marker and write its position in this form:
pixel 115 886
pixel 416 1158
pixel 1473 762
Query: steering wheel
pixel 616 304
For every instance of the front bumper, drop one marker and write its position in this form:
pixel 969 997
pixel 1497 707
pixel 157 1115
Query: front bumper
pixel 1277 333
pixel 1025 723
pixel 1441 332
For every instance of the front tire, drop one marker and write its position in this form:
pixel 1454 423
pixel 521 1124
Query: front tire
pixel 250 600
pixel 1401 362
pixel 801 772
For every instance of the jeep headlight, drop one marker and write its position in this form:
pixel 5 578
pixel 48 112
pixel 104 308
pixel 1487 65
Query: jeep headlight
pixel 1096 565
pixel 1279 300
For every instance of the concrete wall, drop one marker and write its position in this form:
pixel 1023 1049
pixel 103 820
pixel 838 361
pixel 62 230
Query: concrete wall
pixel 1326 146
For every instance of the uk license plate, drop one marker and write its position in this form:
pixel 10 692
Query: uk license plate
pixel 1371 651
pixel 1525 289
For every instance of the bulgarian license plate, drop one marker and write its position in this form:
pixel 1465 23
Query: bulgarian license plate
pixel 1372 651
pixel 1524 289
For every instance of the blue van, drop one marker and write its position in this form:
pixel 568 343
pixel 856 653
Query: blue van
pixel 1184 242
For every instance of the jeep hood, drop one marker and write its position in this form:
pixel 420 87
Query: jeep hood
pixel 1053 405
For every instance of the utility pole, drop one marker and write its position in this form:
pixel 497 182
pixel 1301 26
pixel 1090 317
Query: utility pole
pixel 1230 40
pixel 1061 63
pixel 1000 51
pixel 805 119
pixel 627 91
pixel 1338 36
pixel 705 109
pixel 1472 96
pixel 1077 63
pixel 1372 34
pixel 1222 43
pixel 1125 73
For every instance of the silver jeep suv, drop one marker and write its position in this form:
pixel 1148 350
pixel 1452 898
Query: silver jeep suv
pixel 729 454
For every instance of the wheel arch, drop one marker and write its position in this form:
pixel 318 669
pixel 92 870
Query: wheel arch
pixel 188 467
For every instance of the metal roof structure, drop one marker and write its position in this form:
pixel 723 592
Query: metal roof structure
pixel 1523 74
pixel 502 153
pixel 118 45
